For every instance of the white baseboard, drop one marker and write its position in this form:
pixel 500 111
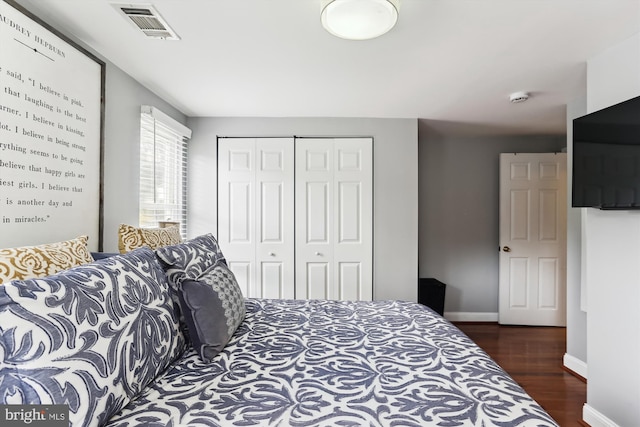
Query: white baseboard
pixel 595 418
pixel 459 316
pixel 575 364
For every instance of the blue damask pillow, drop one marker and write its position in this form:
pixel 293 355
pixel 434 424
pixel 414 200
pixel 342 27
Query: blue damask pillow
pixel 91 337
pixel 213 308
pixel 190 259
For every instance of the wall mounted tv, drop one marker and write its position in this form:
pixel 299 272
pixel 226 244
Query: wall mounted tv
pixel 606 158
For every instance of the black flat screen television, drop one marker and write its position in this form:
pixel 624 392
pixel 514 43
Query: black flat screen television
pixel 606 158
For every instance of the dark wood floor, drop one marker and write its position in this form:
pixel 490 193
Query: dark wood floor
pixel 533 357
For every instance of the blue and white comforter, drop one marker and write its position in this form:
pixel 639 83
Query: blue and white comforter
pixel 334 363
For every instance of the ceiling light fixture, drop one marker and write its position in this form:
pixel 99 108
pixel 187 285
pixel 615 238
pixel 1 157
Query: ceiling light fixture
pixel 359 19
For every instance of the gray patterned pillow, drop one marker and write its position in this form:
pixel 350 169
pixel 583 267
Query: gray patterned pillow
pixel 91 337
pixel 213 307
pixel 190 259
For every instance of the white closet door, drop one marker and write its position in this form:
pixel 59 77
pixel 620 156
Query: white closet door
pixel 275 250
pixel 255 213
pixel 314 219
pixel 236 209
pixel 334 205
pixel 353 218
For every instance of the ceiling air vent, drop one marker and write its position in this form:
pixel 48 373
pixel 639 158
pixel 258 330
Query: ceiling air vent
pixel 147 20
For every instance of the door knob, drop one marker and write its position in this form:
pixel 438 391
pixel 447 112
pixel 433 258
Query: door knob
pixel 318 253
pixel 506 249
pixel 272 254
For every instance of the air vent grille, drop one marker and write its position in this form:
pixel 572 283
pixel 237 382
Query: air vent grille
pixel 147 23
pixel 148 20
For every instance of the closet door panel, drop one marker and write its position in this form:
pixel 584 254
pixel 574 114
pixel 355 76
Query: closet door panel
pixel 272 215
pixel 334 187
pixel 272 280
pixel 353 247
pixel 314 218
pixel 350 280
pixel 317 208
pixel 316 282
pixel 240 212
pixel 275 249
pixel 242 272
pixel 255 213
pixel 349 213
pixel 236 209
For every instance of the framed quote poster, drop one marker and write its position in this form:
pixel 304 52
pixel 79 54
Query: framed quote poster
pixel 51 134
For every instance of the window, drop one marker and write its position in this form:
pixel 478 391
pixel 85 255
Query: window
pixel 163 169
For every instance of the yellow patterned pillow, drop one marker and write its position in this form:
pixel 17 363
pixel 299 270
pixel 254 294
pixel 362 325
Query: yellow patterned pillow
pixel 130 238
pixel 29 262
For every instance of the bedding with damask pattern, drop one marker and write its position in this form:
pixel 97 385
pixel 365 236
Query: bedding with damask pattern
pixel 332 363
pixel 91 337
pixel 165 338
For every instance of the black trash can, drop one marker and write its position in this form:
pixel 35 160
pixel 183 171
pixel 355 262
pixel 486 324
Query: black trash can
pixel 431 293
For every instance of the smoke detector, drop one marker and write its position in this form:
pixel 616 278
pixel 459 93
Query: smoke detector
pixel 517 97
pixel 147 19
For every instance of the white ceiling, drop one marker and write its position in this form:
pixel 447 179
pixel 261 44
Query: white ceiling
pixel 446 60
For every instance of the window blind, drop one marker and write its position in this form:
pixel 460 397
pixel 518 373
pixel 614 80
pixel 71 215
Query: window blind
pixel 163 169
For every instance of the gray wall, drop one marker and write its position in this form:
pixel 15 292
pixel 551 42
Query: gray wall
pixel 576 355
pixel 395 186
pixel 612 251
pixel 459 210
pixel 123 99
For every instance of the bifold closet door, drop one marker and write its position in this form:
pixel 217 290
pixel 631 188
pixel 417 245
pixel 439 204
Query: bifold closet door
pixel 256 213
pixel 334 220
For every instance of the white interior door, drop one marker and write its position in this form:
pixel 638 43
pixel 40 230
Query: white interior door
pixel 533 206
pixel 255 213
pixel 334 220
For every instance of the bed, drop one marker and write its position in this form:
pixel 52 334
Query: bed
pixel 337 363
pixel 166 338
